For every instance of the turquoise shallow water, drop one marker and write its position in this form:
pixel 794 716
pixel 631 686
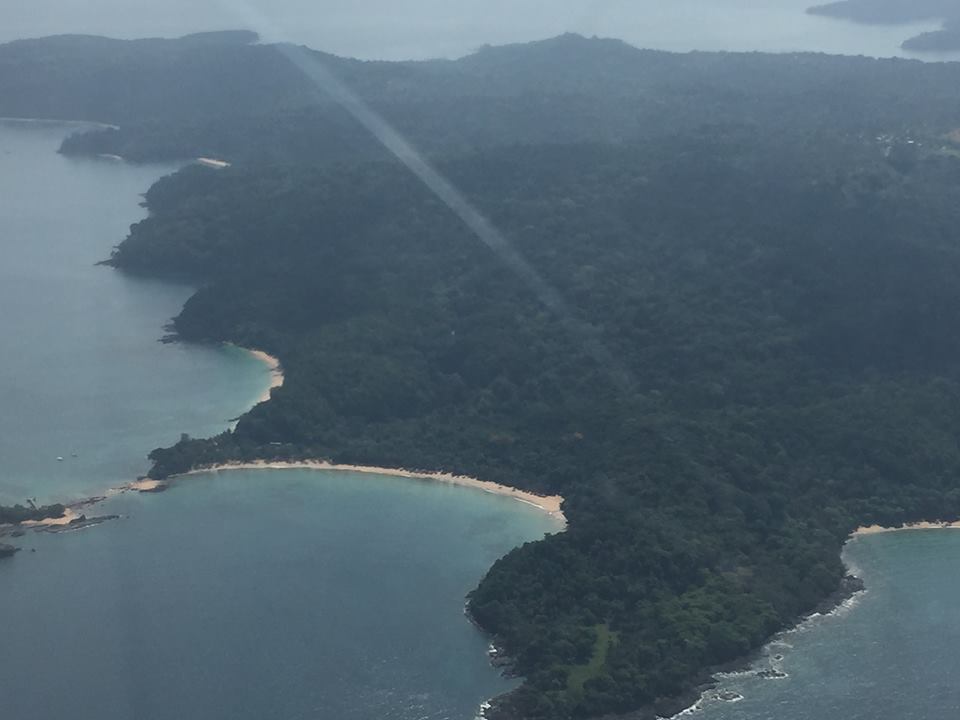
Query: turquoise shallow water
pixel 83 371
pixel 891 654
pixel 259 595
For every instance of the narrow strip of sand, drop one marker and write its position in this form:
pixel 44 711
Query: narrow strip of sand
pixel 213 163
pixel 931 525
pixel 551 504
pixel 276 371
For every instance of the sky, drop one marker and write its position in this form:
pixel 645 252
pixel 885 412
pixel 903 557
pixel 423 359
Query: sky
pixel 417 29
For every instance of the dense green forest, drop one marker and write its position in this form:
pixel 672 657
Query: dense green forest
pixel 782 308
pixel 755 352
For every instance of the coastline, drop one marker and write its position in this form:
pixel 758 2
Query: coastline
pixel 842 600
pixel 275 368
pixel 923 525
pixel 550 504
pixel 760 662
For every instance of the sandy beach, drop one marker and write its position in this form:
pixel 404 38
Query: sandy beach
pixel 213 163
pixel 276 371
pixel 550 504
pixel 145 485
pixel 877 529
pixel 70 515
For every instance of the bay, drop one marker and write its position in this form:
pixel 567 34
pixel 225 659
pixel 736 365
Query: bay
pixel 255 595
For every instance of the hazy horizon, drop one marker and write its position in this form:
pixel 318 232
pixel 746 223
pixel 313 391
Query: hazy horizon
pixel 418 29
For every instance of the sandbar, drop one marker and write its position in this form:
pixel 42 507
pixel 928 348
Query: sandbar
pixel 145 485
pixel 70 515
pixel 213 163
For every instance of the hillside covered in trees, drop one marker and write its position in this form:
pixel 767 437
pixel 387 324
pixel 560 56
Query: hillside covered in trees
pixel 782 311
pixel 754 354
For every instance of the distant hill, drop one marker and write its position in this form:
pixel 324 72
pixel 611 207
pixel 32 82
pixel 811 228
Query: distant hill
pixel 899 12
pixel 78 77
pixel 247 103
pixel 945 40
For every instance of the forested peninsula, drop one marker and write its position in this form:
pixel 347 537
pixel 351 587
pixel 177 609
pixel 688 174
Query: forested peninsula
pixel 755 352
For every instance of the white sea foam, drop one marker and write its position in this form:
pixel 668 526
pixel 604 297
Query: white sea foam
pixel 770 665
pixel 693 709
pixel 736 675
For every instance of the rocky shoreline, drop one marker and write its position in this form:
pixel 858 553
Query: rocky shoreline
pixel 67 520
pixel 499 708
pixel 7 551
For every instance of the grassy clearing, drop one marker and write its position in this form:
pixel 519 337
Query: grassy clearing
pixel 579 674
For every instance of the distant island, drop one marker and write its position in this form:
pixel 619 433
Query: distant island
pixel 945 40
pixel 900 12
pixel 720 321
